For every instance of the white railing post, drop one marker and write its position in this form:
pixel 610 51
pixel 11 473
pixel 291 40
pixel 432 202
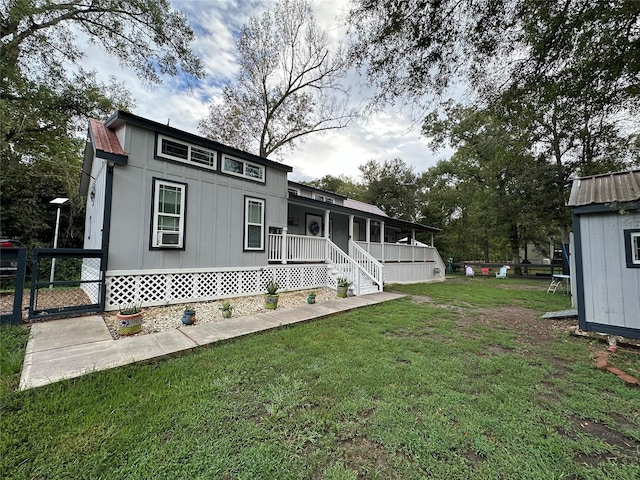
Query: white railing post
pixel 283 247
pixel 382 239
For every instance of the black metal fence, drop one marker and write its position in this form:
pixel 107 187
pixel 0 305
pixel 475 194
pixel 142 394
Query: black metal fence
pixel 66 282
pixel 13 262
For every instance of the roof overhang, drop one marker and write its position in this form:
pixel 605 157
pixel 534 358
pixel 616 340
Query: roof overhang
pixel 389 221
pixel 120 118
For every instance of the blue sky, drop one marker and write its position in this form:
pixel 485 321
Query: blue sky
pixel 381 136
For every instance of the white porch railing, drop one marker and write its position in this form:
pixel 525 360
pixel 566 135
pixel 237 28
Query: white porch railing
pixel 393 252
pixel 296 248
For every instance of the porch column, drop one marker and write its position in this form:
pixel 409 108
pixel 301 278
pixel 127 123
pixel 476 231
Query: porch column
pixel 326 224
pixel 350 234
pixel 368 235
pixel 382 239
pixel 283 247
pixel 413 243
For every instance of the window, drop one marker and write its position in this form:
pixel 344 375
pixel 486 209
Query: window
pixel 323 199
pixel 169 201
pixel 185 152
pixel 241 168
pixel 632 247
pixel 292 191
pixel 253 224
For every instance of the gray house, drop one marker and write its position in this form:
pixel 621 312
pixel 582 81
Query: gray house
pixel 183 219
pixel 606 226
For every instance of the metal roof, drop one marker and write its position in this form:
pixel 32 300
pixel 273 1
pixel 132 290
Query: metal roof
pixel 104 138
pixel 609 188
pixel 363 207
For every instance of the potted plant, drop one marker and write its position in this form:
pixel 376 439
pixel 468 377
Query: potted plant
pixel 130 318
pixel 311 298
pixel 189 315
pixel 343 286
pixel 271 297
pixel 227 309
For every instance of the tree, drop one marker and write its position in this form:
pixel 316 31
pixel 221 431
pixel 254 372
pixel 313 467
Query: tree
pixel 342 185
pixel 499 190
pixel 416 47
pixel 288 85
pixel 46 97
pixel 565 73
pixel 392 186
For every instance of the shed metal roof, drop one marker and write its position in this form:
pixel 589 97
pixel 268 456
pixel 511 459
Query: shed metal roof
pixel 608 188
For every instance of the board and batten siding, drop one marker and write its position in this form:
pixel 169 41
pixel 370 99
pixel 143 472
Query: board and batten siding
pixel 610 290
pixel 214 222
pixel 95 206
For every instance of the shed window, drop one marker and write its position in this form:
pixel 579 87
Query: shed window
pixel 169 199
pixel 632 247
pixel 253 224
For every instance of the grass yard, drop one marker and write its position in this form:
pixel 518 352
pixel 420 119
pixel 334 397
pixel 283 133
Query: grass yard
pixel 462 380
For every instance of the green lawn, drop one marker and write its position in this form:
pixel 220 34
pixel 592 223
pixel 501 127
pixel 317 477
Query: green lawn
pixel 461 381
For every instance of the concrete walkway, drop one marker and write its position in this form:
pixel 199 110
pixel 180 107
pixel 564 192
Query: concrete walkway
pixel 70 348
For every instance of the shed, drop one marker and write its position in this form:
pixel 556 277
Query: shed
pixel 606 227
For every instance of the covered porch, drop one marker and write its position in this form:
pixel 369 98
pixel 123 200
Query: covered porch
pixel 362 233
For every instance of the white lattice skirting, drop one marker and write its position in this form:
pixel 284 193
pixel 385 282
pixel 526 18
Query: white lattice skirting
pixel 166 287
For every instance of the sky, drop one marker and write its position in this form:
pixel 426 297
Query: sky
pixel 385 135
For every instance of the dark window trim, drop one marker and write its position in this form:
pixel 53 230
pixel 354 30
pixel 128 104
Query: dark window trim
pixel 244 224
pixel 242 176
pixel 152 227
pixel 186 161
pixel 628 247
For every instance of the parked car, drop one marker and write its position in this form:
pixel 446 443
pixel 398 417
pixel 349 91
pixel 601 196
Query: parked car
pixel 8 265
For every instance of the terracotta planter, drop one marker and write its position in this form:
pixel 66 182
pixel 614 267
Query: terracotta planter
pixel 129 324
pixel 271 302
pixel 226 313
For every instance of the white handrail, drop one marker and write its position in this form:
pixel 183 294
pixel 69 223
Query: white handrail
pixel 347 267
pixel 370 265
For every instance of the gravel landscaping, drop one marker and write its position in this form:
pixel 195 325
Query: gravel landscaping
pixel 162 319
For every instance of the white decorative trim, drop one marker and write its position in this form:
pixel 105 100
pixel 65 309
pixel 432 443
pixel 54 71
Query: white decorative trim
pixel 167 287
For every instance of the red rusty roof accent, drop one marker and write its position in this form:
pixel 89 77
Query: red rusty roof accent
pixel 105 139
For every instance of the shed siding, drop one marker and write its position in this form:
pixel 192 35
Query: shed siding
pixel 214 222
pixel 611 290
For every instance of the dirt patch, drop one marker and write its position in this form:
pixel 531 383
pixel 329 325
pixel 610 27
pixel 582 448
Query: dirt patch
pixel 618 444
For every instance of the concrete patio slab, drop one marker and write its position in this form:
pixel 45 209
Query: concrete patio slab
pixel 67 332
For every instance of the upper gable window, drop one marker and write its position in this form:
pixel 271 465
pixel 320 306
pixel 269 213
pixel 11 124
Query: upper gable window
pixel 185 152
pixel 242 168
pixel 323 199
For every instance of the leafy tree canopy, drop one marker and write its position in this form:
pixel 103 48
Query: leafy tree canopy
pixel 46 96
pixel 288 85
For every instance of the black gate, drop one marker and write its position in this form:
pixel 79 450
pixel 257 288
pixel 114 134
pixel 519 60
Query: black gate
pixel 13 262
pixel 66 282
